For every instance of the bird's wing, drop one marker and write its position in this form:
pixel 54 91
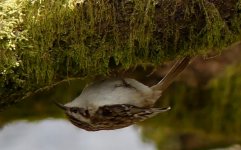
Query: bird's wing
pixel 127 112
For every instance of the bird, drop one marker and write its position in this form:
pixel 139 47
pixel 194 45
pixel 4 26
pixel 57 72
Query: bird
pixel 116 103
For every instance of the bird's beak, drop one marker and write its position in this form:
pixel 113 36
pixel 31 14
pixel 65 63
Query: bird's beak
pixel 60 105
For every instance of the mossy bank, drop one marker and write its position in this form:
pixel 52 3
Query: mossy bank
pixel 43 42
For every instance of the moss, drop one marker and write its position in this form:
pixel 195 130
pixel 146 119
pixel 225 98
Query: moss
pixel 45 41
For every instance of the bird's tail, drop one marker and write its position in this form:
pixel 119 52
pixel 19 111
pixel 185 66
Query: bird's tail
pixel 172 74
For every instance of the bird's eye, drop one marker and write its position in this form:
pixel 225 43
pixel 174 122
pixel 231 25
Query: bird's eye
pixel 86 113
pixel 74 110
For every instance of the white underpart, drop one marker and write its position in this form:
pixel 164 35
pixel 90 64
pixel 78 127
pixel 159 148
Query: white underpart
pixel 112 91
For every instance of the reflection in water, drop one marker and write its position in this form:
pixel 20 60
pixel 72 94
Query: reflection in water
pixel 61 135
pixel 200 118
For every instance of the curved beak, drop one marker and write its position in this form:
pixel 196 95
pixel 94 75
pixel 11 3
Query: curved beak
pixel 60 105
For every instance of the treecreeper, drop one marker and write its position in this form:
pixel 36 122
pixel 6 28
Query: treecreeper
pixel 119 102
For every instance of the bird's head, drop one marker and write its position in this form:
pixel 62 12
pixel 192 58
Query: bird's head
pixel 78 116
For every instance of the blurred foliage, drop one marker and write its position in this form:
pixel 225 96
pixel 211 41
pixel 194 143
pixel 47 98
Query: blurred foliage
pixel 200 116
pixel 43 41
pixel 41 105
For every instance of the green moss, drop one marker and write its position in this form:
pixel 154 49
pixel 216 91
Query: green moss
pixel 45 41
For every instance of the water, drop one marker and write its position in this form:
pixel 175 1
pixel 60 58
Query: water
pixel 195 122
pixel 51 134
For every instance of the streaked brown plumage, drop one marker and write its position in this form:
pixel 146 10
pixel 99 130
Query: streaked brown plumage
pixel 115 117
pixel 116 103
